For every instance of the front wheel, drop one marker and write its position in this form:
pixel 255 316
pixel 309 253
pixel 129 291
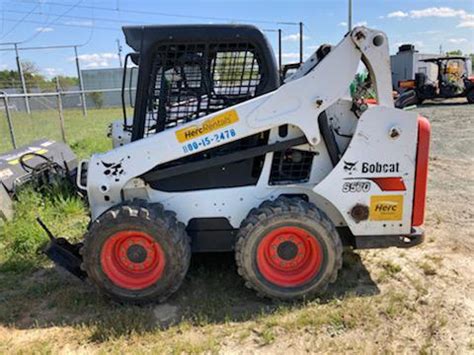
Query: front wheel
pixel 137 253
pixel 288 249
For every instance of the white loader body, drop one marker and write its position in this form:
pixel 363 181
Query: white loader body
pixel 370 190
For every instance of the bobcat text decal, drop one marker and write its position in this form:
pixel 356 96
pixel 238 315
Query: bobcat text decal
pixel 380 168
pixel 371 168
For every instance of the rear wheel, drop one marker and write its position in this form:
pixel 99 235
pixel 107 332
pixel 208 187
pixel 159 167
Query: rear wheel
pixel 288 249
pixel 137 253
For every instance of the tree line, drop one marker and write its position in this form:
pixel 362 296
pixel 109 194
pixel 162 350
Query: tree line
pixel 34 79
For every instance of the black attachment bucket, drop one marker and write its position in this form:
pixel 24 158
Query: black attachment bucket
pixel 63 253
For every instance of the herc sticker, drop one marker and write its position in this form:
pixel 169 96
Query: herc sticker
pixel 212 124
pixel 386 207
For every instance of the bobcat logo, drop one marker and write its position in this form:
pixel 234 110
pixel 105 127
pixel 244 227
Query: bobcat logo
pixel 350 166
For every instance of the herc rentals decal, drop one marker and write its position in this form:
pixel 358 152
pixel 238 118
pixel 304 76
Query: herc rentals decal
pixel 386 207
pixel 220 121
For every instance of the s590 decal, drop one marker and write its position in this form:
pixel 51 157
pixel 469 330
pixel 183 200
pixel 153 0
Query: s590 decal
pixel 356 186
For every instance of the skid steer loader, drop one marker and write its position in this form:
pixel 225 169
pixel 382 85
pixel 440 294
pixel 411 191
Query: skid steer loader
pixel 220 156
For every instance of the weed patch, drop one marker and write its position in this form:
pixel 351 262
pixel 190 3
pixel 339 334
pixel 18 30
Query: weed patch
pixel 389 269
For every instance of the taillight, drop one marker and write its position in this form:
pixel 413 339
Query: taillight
pixel 421 174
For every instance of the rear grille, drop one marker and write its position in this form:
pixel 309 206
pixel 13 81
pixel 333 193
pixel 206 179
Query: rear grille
pixel 291 166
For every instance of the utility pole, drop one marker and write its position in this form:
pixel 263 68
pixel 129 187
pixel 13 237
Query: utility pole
pixel 81 83
pixel 119 51
pixel 22 79
pixel 301 42
pixel 279 51
pixel 349 19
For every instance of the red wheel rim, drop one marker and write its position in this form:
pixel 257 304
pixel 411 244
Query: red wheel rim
pixel 289 256
pixel 132 260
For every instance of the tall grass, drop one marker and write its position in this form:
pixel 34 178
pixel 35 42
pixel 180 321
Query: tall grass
pixel 21 238
pixel 64 212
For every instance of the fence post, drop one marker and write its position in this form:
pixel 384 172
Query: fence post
pixel 61 113
pixel 81 83
pixel 22 79
pixel 9 120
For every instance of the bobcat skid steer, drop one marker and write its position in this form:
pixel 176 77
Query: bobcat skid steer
pixel 220 157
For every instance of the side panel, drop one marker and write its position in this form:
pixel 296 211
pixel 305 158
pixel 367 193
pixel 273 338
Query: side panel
pixel 376 174
pixel 233 204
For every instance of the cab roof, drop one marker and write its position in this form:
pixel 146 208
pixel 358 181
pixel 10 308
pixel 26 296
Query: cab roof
pixel 141 38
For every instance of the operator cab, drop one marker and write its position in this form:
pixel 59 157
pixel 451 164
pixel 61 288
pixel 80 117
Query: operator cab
pixel 452 78
pixel 189 71
pixel 186 72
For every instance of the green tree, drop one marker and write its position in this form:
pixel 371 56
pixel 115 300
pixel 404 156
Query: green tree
pixel 34 79
pixel 97 98
pixel 455 53
pixel 66 82
pixel 8 79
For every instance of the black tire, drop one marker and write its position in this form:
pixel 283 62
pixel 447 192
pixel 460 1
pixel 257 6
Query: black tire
pixel 145 225
pixel 470 96
pixel 277 215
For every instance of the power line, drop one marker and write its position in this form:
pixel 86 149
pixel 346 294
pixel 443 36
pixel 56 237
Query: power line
pixel 91 33
pixel 19 22
pixel 167 14
pixel 60 46
pixel 49 23
pixel 62 25
pixel 77 17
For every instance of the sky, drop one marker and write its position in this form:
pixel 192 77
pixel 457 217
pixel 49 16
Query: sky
pixel 95 25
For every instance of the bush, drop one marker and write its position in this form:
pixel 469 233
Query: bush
pixel 97 98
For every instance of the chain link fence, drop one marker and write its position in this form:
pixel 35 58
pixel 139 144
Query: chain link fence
pixel 60 115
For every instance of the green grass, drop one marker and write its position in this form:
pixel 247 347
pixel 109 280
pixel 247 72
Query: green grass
pixel 20 238
pixel 389 270
pixel 85 134
pixel 65 213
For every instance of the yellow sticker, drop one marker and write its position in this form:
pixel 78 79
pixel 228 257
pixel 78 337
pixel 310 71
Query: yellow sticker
pixel 220 121
pixel 386 207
